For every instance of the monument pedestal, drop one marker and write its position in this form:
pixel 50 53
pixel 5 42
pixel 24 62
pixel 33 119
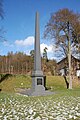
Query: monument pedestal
pixel 38 82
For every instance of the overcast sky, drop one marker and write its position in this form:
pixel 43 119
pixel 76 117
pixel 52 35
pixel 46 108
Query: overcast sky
pixel 19 23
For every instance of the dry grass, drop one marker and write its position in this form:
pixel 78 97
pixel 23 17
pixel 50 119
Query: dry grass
pixel 54 83
pixel 18 81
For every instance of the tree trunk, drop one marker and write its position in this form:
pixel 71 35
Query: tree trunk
pixel 69 61
pixel 6 65
pixel 69 56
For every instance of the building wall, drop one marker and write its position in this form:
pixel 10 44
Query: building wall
pixel 64 64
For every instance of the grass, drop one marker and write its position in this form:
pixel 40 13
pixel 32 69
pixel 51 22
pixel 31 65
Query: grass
pixel 54 83
pixel 23 81
pixel 63 105
pixel 17 81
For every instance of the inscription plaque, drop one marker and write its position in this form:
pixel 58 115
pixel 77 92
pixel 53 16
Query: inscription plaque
pixel 39 81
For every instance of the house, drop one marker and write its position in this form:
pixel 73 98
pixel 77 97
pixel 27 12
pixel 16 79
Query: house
pixel 78 73
pixel 62 66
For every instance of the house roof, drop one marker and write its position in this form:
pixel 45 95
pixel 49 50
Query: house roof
pixel 66 58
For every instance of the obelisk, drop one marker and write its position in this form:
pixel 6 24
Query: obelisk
pixel 37 55
pixel 38 79
pixel 37 74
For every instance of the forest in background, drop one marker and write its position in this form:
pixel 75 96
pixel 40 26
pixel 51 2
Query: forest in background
pixel 20 63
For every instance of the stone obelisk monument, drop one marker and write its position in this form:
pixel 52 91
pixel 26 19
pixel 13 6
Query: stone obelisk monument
pixel 38 79
pixel 37 55
pixel 37 74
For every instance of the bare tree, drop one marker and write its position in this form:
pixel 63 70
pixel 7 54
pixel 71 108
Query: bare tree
pixel 64 28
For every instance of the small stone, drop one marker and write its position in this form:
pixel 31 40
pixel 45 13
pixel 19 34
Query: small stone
pixel 30 111
pixel 76 108
pixel 38 118
pixel 78 114
pixel 75 117
pixel 70 116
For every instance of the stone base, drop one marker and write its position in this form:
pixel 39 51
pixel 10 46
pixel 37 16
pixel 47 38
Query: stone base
pixel 38 85
pixel 37 73
pixel 30 92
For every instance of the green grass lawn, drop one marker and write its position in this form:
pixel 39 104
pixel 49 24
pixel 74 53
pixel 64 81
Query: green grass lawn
pixel 16 81
pixel 64 104
pixel 54 83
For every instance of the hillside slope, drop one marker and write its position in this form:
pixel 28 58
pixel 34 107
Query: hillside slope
pixel 54 83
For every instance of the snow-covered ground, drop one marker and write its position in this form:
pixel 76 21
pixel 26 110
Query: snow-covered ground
pixel 40 108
